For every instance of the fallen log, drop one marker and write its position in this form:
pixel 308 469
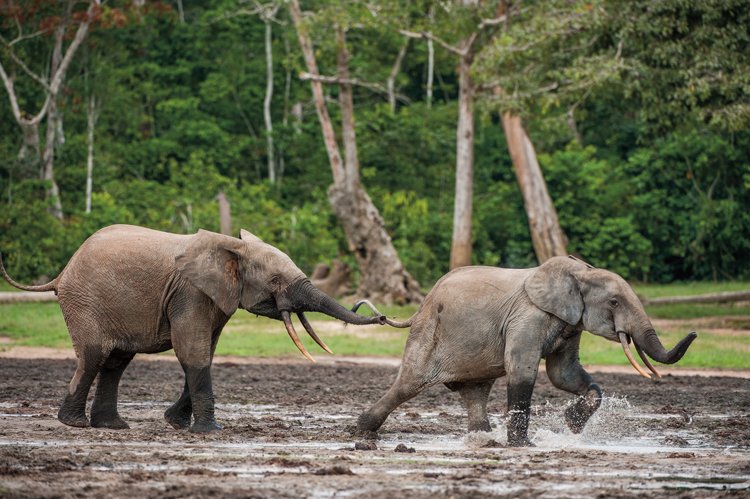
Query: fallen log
pixel 27 296
pixel 723 297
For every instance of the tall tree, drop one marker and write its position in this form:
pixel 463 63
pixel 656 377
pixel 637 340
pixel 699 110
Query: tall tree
pixel 481 32
pixel 51 80
pixel 383 276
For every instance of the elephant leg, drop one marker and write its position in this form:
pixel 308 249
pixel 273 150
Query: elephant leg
pixel 181 412
pixel 522 364
pixel 73 409
pixel 474 397
pixel 195 332
pixel 104 408
pixel 566 373
pixel 404 388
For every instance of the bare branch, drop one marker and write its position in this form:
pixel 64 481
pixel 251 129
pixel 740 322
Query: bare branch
pixel 427 35
pixel 23 65
pixel 491 22
pixel 335 80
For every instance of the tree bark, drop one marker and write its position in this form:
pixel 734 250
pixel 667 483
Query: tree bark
pixel 329 136
pixel 383 277
pixel 546 235
pixel 395 69
pixel 91 121
pixel 29 123
pixel 267 104
pixel 225 214
pixel 462 208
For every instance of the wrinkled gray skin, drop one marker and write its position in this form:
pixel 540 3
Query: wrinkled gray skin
pixel 481 323
pixel 131 290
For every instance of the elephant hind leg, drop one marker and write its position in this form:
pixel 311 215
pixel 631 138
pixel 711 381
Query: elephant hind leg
pixel 73 410
pixel 403 389
pixel 104 409
pixel 474 396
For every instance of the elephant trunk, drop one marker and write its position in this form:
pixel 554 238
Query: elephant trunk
pixel 652 346
pixel 307 297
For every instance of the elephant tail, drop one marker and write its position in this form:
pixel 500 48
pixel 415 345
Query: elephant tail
pixel 406 323
pixel 50 286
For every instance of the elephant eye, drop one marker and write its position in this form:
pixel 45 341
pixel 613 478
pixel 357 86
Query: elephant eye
pixel 613 302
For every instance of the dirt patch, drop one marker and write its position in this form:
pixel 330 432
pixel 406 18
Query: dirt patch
pixel 287 433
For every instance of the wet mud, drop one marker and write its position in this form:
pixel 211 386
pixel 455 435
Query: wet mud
pixel 288 433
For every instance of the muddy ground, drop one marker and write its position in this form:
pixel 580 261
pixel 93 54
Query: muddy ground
pixel 287 434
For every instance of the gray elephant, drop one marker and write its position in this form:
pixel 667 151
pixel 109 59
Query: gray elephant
pixel 131 290
pixel 480 323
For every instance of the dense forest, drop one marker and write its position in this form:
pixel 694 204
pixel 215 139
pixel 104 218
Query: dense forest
pixel 638 113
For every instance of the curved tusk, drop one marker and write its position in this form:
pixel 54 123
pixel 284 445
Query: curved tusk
pixel 308 327
pixel 645 360
pixel 626 348
pixel 293 334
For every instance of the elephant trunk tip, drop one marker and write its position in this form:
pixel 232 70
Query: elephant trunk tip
pixel 653 347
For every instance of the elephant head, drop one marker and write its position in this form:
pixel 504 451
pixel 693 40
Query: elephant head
pixel 603 304
pixel 250 274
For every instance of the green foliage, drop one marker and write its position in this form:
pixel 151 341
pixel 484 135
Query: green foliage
pixel 180 119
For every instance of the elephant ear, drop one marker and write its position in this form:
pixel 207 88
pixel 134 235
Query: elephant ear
pixel 249 237
pixel 211 263
pixel 553 288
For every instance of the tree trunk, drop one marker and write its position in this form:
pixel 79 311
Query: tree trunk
pixel 267 104
pixel 462 211
pixel 548 238
pixel 329 136
pixel 383 277
pixel 391 83
pixel 225 214
pixel 91 120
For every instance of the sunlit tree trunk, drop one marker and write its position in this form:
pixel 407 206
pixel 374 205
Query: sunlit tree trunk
pixel 91 115
pixel 383 277
pixel 267 104
pixel 462 208
pixel 548 238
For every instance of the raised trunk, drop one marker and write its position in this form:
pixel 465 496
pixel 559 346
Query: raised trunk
pixel 653 347
pixel 546 235
pixel 462 210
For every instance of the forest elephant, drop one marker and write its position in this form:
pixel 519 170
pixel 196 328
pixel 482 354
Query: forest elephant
pixel 481 323
pixel 131 290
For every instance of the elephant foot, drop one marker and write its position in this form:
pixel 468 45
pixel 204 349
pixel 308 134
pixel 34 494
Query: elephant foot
pixel 205 426
pixel 578 414
pixel 480 426
pixel 520 442
pixel 363 433
pixel 367 423
pixel 113 423
pixel 179 420
pixel 76 420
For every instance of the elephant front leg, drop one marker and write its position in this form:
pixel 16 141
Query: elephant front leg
pixel 180 413
pixel 566 373
pixel 194 339
pixel 522 364
pixel 201 399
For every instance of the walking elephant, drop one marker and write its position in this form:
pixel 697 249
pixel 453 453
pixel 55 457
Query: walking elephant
pixel 131 290
pixel 481 323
